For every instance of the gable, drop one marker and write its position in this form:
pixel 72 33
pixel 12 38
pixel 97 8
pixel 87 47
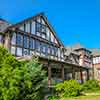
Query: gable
pixel 38 25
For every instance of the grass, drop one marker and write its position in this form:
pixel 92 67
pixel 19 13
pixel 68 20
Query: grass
pixel 95 95
pixel 83 98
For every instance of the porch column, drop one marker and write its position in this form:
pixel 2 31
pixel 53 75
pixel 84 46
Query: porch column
pixel 87 74
pixel 73 73
pixel 62 72
pixel 81 76
pixel 49 74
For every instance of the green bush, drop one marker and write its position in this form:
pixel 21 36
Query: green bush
pixel 69 88
pixel 90 85
pixel 20 80
pixel 53 98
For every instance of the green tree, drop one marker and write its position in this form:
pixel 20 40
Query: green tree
pixel 20 80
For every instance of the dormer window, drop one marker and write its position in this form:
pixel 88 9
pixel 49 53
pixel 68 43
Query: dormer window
pixel 41 30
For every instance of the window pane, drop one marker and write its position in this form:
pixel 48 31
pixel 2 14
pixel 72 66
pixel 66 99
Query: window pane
pixel 19 39
pixel 25 52
pixel 27 27
pixel 33 27
pixel 38 27
pixel 13 41
pixel 26 42
pixel 37 45
pixel 19 51
pixel 13 50
pixel 52 38
pixel 43 28
pixel 0 38
pixel 44 48
pixel 21 27
pixel 31 52
pixel 31 43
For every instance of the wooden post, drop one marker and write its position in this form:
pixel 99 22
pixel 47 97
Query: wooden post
pixel 62 72
pixel 49 74
pixel 87 74
pixel 73 73
pixel 81 75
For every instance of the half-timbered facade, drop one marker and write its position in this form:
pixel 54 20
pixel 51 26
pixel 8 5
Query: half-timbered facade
pixel 35 36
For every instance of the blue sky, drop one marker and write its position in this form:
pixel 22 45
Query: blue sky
pixel 73 20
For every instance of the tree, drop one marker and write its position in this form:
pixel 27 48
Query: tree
pixel 20 80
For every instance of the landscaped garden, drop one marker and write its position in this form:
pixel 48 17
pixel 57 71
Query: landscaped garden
pixel 72 90
pixel 26 80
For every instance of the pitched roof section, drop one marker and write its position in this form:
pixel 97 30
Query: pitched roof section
pixel 95 52
pixel 3 25
pixel 45 19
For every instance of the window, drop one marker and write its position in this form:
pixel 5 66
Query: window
pixel 33 27
pixel 13 40
pixel 31 52
pixel 52 38
pixel 19 39
pixel 38 27
pixel 13 50
pixel 19 51
pixel 56 51
pixel 41 30
pixel 31 43
pixel 59 52
pixel 48 34
pixel 0 38
pixel 27 27
pixel 25 52
pixel 26 42
pixel 44 48
pixel 21 27
pixel 37 45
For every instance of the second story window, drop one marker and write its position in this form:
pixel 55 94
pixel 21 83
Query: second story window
pixel 19 39
pixel 31 43
pixel 41 30
pixel 13 40
pixel 26 42
pixel 27 27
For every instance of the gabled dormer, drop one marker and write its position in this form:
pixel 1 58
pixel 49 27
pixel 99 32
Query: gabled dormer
pixel 36 36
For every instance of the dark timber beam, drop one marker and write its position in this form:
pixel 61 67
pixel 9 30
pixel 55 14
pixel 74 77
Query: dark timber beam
pixel 62 72
pixel 49 74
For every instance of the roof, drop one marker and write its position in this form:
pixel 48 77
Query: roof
pixel 45 18
pixel 95 51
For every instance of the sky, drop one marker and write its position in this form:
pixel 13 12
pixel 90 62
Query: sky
pixel 75 21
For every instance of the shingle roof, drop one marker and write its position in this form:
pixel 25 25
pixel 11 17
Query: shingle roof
pixel 95 51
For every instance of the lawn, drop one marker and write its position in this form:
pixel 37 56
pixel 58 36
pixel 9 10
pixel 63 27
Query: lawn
pixel 84 98
pixel 89 96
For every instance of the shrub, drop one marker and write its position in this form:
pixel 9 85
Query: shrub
pixel 90 85
pixel 68 88
pixel 20 80
pixel 53 98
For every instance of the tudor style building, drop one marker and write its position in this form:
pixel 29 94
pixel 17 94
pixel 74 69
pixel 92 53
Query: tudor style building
pixel 96 63
pixel 35 36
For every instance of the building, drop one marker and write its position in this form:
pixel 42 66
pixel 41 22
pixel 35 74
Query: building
pixel 96 63
pixel 36 37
